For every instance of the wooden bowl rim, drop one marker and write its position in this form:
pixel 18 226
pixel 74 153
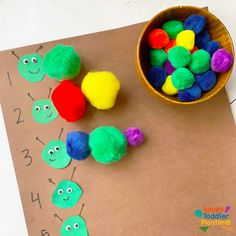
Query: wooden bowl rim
pixel 143 77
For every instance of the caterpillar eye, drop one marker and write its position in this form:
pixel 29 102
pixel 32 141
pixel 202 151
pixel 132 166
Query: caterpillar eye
pixel 76 225
pixel 68 228
pixel 60 191
pixel 50 152
pixel 25 61
pixel 34 60
pixel 57 148
pixel 46 107
pixel 37 108
pixel 69 190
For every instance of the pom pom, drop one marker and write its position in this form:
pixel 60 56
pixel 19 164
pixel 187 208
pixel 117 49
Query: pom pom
pixel 169 68
pixel 194 50
pixel 101 89
pixel 202 39
pixel 212 47
pixel 69 101
pixel 77 145
pixel 134 136
pixel 157 77
pixel 158 38
pixel 182 78
pixel 221 61
pixel 196 23
pixel 206 81
pixel 200 62
pixel 107 144
pixel 168 87
pixel 62 63
pixel 171 44
pixel 186 39
pixel 158 57
pixel 190 94
pixel 179 57
pixel 173 27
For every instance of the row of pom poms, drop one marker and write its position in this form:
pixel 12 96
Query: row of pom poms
pixel 106 144
pixel 184 59
pixel 69 100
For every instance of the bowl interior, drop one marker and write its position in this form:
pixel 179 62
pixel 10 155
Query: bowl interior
pixel 216 29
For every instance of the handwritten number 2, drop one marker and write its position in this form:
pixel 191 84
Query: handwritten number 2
pixel 19 120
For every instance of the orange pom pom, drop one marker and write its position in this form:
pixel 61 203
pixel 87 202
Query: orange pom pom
pixel 170 45
pixel 158 38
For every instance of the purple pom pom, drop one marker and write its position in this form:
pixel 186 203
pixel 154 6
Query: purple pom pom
pixel 169 68
pixel 221 60
pixel 134 136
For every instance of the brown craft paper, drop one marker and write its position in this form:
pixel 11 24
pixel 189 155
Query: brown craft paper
pixel 187 160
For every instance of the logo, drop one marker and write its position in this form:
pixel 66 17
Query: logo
pixel 214 217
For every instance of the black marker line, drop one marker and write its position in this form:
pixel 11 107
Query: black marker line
pixel 81 209
pixel 14 54
pixel 49 92
pixel 40 47
pixel 38 139
pixel 51 181
pixel 31 96
pixel 55 215
pixel 62 129
pixel 74 169
pixel 233 101
pixel 9 78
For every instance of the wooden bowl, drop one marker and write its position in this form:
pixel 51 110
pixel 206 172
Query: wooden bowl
pixel 217 31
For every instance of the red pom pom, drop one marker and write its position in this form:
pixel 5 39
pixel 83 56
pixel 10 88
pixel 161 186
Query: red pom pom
pixel 194 49
pixel 158 38
pixel 69 101
pixel 170 45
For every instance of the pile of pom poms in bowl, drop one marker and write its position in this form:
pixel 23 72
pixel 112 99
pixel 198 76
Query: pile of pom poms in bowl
pixel 184 61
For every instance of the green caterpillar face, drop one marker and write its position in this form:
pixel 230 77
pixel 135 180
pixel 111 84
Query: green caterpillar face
pixel 31 67
pixel 43 111
pixel 55 155
pixel 74 226
pixel 67 194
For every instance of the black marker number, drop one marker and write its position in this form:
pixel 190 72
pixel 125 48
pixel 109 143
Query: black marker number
pixel 19 120
pixel 37 199
pixel 27 156
pixel 44 232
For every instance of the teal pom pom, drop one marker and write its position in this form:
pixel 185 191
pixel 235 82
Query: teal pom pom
pixel 62 63
pixel 201 62
pixel 158 57
pixel 107 144
pixel 179 56
pixel 182 78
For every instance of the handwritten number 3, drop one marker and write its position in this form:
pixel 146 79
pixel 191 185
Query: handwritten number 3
pixel 19 120
pixel 27 156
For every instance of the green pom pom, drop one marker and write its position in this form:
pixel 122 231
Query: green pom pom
pixel 62 63
pixel 201 62
pixel 179 56
pixel 182 78
pixel 107 144
pixel 158 57
pixel 173 27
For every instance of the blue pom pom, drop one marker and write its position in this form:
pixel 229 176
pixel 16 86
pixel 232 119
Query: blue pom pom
pixel 190 94
pixel 77 145
pixel 206 81
pixel 202 39
pixel 157 76
pixel 196 23
pixel 212 47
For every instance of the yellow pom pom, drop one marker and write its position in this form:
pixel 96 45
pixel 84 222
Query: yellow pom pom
pixel 101 89
pixel 186 39
pixel 168 87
